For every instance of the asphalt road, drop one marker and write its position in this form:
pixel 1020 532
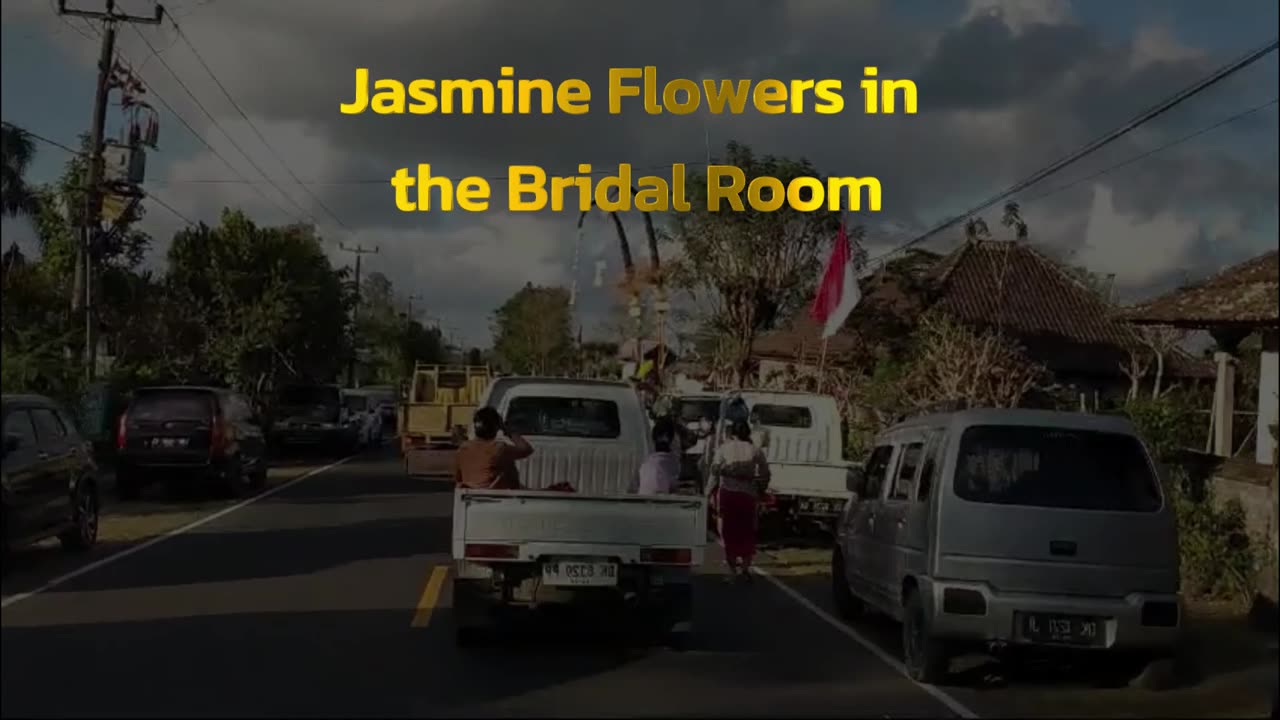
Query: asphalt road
pixel 318 601
pixel 330 597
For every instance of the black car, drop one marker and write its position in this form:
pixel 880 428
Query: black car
pixel 186 434
pixel 314 416
pixel 49 478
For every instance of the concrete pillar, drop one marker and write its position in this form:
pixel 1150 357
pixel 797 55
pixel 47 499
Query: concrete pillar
pixel 1224 405
pixel 1268 387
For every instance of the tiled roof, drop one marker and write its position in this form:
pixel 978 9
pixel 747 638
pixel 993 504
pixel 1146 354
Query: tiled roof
pixel 1011 284
pixel 1058 320
pixel 1243 294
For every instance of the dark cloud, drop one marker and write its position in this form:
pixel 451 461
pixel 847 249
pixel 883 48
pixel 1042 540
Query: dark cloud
pixel 998 99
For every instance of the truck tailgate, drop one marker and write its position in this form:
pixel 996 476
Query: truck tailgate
pixel 543 523
pixel 809 480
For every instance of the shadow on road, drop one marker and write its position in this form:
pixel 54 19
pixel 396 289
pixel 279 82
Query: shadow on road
pixel 230 555
pixel 284 664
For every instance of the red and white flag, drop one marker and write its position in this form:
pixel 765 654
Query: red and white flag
pixel 838 291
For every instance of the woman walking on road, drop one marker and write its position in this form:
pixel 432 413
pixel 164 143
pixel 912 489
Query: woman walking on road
pixel 741 473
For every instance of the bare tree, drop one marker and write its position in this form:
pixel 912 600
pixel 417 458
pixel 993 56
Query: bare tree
pixel 1013 219
pixel 975 228
pixel 1162 341
pixel 975 368
pixel 1136 370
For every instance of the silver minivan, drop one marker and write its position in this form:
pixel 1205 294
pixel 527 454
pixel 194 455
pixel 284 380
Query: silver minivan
pixel 1008 530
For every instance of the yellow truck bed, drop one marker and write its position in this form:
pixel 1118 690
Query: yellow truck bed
pixel 441 401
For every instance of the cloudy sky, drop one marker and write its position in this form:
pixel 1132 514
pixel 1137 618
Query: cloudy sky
pixel 1006 86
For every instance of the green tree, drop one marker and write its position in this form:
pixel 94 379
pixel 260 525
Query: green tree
pixel 532 332
pixel 259 305
pixel 749 269
pixel 16 153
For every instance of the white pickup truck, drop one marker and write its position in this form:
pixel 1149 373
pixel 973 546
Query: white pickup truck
pixel 802 440
pixel 597 548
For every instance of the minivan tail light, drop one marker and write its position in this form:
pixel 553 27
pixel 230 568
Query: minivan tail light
pixel 217 436
pixel 666 556
pixel 122 432
pixel 491 551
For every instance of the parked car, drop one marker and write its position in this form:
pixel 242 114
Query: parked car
pixel 1013 531
pixel 362 412
pixel 314 416
pixel 48 476
pixel 189 434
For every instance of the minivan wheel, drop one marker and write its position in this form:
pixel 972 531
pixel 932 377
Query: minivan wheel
pixel 83 532
pixel 925 657
pixel 849 606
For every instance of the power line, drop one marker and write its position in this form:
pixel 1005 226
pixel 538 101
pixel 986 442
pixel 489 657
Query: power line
pixel 1153 151
pixel 387 180
pixel 244 116
pixel 169 207
pixel 41 138
pixel 67 148
pixel 194 133
pixel 1141 119
pixel 165 64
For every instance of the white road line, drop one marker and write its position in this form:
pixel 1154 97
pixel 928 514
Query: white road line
pixel 13 599
pixel 938 694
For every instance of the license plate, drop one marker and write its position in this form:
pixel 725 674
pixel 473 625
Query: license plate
pixel 169 443
pixel 580 573
pixel 1062 629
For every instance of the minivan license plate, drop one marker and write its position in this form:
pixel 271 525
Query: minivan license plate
pixel 580 573
pixel 1062 629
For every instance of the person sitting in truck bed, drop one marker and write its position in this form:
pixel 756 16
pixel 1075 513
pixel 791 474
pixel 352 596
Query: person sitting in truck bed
pixel 487 463
pixel 660 472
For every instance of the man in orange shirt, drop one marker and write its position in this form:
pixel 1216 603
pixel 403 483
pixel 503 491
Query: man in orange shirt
pixel 487 463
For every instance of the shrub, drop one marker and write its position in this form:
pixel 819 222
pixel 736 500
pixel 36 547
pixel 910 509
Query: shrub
pixel 1168 424
pixel 1219 558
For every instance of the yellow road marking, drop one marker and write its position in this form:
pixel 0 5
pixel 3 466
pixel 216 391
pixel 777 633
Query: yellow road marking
pixel 430 596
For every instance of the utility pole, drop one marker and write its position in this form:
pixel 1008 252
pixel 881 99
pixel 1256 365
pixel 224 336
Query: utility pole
pixel 358 251
pixel 82 284
pixel 411 299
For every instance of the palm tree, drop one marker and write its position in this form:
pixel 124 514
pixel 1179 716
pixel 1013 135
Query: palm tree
pixel 16 153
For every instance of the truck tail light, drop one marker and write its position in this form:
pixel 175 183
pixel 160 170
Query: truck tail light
pixel 666 556
pixel 490 551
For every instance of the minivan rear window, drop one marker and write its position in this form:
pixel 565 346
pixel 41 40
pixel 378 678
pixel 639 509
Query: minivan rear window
pixel 784 416
pixel 1055 468
pixel 171 405
pixel 564 417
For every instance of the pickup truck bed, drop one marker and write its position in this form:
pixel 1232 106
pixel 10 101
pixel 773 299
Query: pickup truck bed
pixel 618 526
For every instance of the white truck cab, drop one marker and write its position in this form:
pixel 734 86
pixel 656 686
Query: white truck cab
pixel 801 437
pixel 516 550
